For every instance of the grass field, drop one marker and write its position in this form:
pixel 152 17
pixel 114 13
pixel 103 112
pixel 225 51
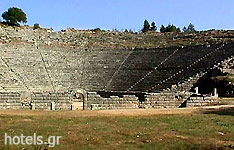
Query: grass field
pixel 184 129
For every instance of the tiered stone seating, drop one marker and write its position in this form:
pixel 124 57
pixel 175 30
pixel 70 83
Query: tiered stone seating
pixel 101 66
pixel 22 64
pixel 135 67
pixel 183 64
pixel 40 68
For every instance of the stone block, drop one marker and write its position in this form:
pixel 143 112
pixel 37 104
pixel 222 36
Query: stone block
pixel 52 105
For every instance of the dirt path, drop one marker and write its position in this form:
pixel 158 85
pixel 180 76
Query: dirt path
pixel 120 112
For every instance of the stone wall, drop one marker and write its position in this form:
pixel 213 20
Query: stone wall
pixel 10 100
pixel 177 100
pixel 63 101
pixel 166 99
pixel 198 101
pixel 93 101
pixel 35 101
pixel 161 100
pixel 96 102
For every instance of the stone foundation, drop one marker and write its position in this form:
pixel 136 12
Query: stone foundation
pixel 10 100
pixel 96 102
pixel 93 101
pixel 200 100
pixel 177 100
pixel 63 101
pixel 164 100
pixel 43 101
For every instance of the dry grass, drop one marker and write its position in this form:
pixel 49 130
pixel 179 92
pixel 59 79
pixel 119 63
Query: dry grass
pixel 207 128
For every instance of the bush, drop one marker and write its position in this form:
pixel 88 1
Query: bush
pixel 36 26
pixel 96 30
pixel 169 28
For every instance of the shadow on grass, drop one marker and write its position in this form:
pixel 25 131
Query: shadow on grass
pixel 221 111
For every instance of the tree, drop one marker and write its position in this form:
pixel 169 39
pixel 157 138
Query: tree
pixel 169 28
pixel 153 26
pixel 184 29
pixel 131 31
pixel 146 26
pixel 178 29
pixel 126 30
pixel 14 16
pixel 36 26
pixel 162 28
pixel 189 29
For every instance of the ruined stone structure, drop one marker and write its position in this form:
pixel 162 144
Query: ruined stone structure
pixel 35 75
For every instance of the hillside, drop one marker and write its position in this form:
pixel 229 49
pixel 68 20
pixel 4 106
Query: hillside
pixel 82 39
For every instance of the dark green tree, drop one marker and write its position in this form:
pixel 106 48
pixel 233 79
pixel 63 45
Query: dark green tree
pixel 153 26
pixel 126 30
pixel 146 26
pixel 189 29
pixel 36 26
pixel 14 16
pixel 169 28
pixel 178 29
pixel 162 28
pixel 184 29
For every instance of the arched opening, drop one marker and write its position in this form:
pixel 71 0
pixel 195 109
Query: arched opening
pixel 78 100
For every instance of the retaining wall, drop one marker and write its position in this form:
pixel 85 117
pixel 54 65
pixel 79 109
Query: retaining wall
pixel 63 101
pixel 175 100
pixel 10 100
pixel 196 101
pixel 164 100
pixel 16 100
pixel 95 102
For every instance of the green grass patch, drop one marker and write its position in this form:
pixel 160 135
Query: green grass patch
pixel 183 132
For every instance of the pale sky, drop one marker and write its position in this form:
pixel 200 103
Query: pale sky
pixel 122 14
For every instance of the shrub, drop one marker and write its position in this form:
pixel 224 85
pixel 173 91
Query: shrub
pixel 36 26
pixel 169 28
pixel 96 30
